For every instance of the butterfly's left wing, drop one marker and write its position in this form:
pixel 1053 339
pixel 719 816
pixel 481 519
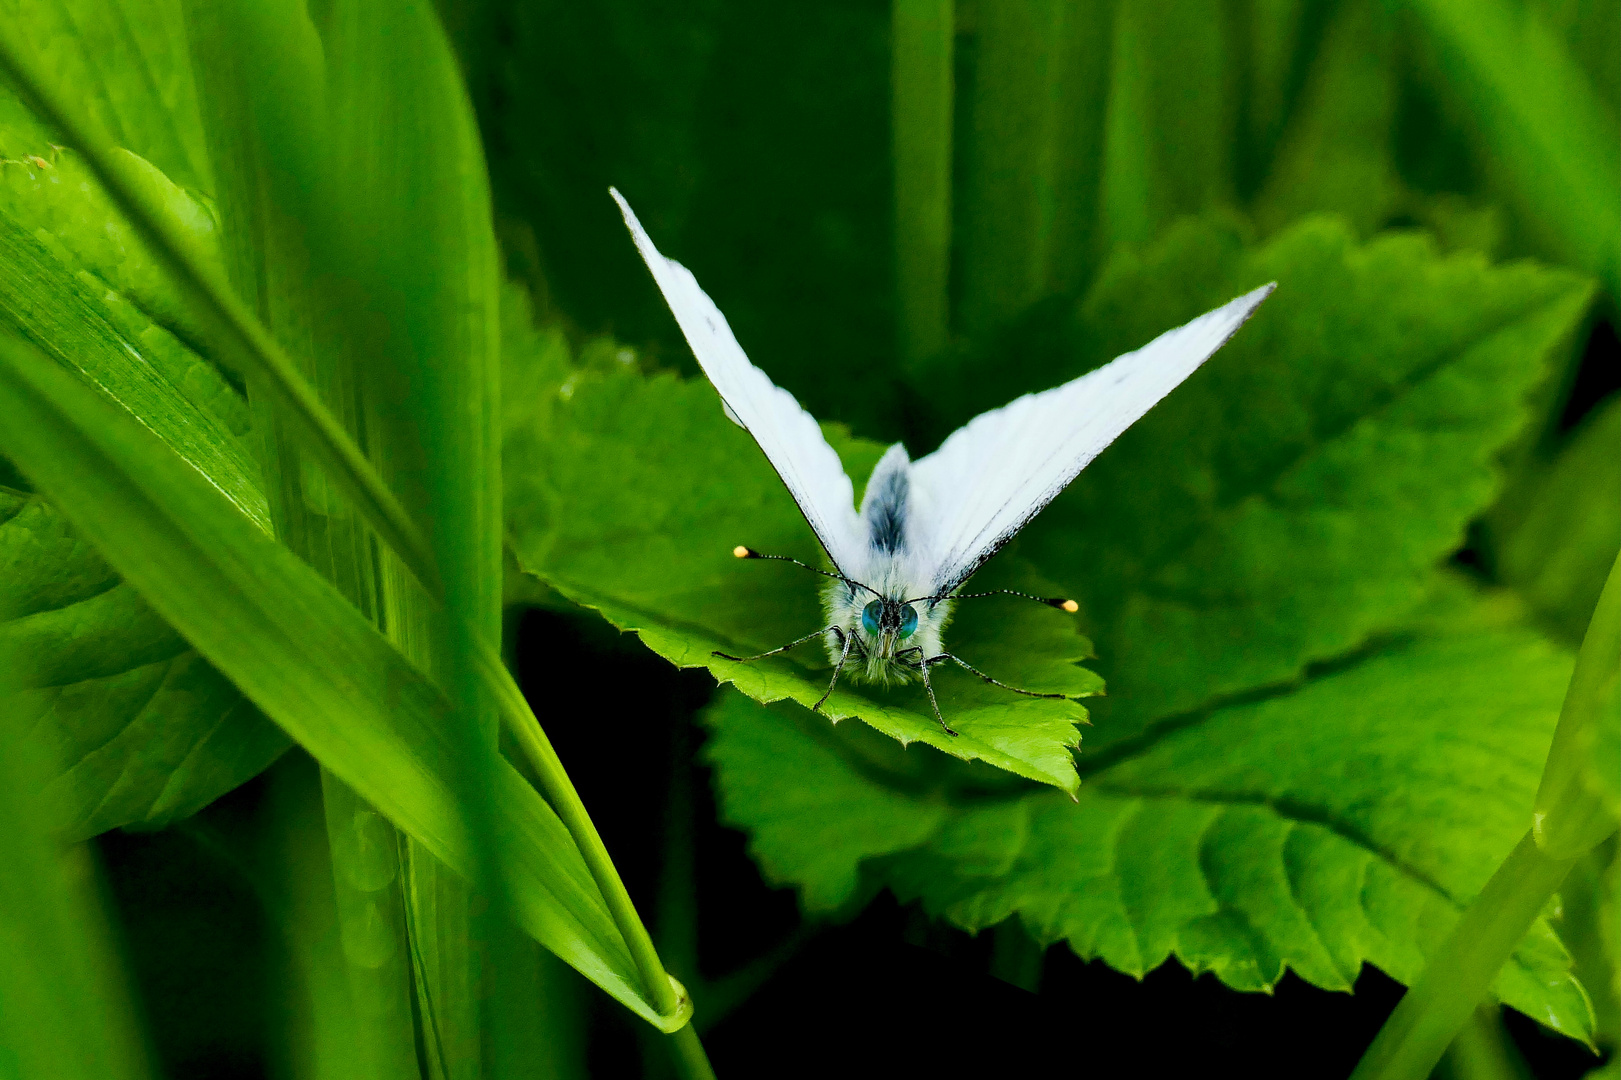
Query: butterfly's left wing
pixel 790 437
pixel 1000 469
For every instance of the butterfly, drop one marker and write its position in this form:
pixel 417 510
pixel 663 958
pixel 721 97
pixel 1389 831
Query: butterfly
pixel 924 527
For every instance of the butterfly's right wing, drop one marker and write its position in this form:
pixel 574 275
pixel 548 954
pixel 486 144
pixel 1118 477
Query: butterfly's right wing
pixel 789 436
pixel 1000 469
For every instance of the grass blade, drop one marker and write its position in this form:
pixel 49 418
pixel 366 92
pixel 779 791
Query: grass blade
pixel 299 650
pixel 1437 1006
pixel 1579 802
pixel 1030 155
pixel 412 227
pixel 922 87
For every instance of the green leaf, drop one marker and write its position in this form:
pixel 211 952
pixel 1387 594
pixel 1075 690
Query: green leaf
pixel 299 650
pixel 126 62
pixel 652 551
pixel 231 325
pixel 1290 500
pixel 143 730
pixel 1560 527
pixel 85 290
pixel 1343 822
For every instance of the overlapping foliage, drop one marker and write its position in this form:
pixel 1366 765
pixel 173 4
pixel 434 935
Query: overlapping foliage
pixel 1293 739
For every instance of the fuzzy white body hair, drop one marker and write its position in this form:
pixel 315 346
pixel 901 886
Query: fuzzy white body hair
pixel 897 564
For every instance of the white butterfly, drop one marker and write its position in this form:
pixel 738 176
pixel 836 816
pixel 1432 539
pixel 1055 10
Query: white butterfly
pixel 925 526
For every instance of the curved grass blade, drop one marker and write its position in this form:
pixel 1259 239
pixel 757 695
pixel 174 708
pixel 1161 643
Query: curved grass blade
pixel 301 652
pixel 537 749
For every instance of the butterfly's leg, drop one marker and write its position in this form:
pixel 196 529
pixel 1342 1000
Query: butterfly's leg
pixel 846 640
pixel 923 668
pixel 781 649
pixel 965 665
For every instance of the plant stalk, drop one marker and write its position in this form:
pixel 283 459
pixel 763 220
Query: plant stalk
pixel 1460 973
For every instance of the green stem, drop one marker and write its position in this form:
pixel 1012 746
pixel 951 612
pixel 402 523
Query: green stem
pixel 1483 1050
pixel 690 1060
pixel 1458 976
pixel 667 995
pixel 251 344
pixel 921 117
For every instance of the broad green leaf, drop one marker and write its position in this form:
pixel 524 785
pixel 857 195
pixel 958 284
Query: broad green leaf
pixel 142 730
pixel 1556 536
pixel 298 649
pixel 627 495
pixel 65 1009
pixel 1290 500
pixel 1341 822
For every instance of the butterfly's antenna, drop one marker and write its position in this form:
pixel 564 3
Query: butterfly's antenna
pixel 1059 602
pixel 780 649
pixel 749 553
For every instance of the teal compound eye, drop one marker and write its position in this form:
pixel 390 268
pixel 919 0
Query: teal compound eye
pixel 908 622
pixel 870 615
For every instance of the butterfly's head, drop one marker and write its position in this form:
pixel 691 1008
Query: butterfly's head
pixel 890 625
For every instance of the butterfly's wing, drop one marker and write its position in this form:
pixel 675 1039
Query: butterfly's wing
pixel 1000 469
pixel 789 436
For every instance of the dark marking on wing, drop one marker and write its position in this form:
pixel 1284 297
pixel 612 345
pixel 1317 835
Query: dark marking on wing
pixel 886 513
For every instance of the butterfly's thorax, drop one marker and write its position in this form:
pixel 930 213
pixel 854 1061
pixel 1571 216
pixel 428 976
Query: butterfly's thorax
pixel 895 625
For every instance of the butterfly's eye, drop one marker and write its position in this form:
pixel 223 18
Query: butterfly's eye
pixel 908 621
pixel 870 615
